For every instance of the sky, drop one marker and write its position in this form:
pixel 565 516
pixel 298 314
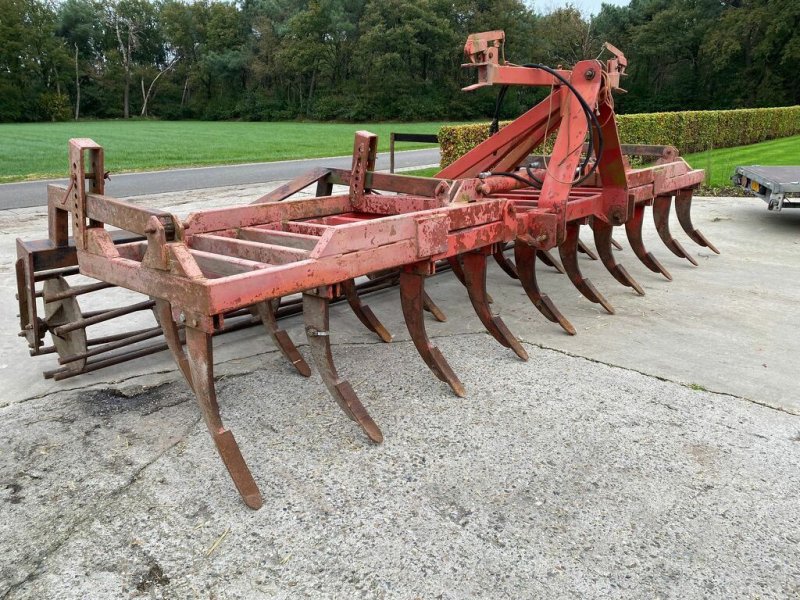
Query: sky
pixel 587 7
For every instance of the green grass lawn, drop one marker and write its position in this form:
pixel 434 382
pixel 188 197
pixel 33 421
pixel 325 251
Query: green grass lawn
pixel 428 172
pixel 720 164
pixel 39 150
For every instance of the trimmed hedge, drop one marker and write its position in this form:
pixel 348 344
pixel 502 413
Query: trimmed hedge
pixel 690 131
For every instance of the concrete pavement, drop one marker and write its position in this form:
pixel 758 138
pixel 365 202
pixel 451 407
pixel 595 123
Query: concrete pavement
pixel 655 454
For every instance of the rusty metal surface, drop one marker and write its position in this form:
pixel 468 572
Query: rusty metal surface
pixel 223 269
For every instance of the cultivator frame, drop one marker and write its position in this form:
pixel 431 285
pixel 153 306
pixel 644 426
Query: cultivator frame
pixel 222 269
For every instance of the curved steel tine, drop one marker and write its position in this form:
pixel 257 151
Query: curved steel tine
pixel 429 305
pixel 584 249
pixel 525 256
pixel 201 364
pixel 683 206
pixel 551 261
pixel 633 229
pixel 316 316
pixel 163 312
pixel 266 312
pixel 455 264
pixel 364 312
pixel 458 269
pixel 616 244
pixel 475 274
pixel 412 289
pixel 602 241
pixel 569 258
pixel 505 264
pixel 661 206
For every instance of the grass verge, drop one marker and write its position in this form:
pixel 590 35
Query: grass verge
pixel 720 164
pixel 39 150
pixel 428 172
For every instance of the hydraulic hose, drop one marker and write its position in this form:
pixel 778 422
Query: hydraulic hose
pixel 591 122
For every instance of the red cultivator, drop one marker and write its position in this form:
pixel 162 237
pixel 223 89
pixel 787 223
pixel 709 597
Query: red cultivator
pixel 223 269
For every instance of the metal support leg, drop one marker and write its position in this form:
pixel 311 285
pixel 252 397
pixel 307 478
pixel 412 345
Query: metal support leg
pixel 364 312
pixel 633 229
pixel 661 207
pixel 602 241
pixel 429 305
pixel 505 264
pixel 551 261
pixel 316 315
pixel 266 311
pixel 683 206
pixel 569 258
pixel 412 288
pixel 163 312
pixel 525 256
pixel 201 365
pixel 475 274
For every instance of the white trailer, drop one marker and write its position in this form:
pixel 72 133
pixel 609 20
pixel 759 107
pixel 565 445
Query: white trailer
pixel 779 187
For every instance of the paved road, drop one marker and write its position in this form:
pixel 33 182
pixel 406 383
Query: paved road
pixel 32 193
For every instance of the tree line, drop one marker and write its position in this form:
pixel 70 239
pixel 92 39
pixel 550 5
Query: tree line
pixel 373 59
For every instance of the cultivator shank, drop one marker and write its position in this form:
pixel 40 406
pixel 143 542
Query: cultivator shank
pixel 223 269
